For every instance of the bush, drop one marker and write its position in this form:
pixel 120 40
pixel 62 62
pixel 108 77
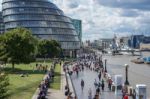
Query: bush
pixel 4 82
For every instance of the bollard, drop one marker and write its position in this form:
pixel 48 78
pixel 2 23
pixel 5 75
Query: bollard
pixel 113 87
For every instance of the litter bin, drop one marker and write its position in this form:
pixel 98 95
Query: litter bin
pixel 113 87
pixel 141 92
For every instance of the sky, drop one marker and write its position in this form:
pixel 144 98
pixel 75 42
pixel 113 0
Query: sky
pixel 104 18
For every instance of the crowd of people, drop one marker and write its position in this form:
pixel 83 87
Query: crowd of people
pixel 41 67
pixel 92 62
pixel 48 79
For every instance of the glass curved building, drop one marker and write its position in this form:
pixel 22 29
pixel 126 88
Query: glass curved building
pixel 43 18
pixel 1 24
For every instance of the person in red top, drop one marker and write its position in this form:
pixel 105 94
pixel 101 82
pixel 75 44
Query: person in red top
pixel 126 97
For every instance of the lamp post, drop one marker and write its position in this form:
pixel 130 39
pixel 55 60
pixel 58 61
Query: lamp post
pixel 105 65
pixel 126 72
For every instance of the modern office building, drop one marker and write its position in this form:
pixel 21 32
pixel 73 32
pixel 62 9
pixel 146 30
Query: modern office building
pixel 78 26
pixel 135 40
pixel 105 43
pixel 1 24
pixel 87 43
pixel 146 40
pixel 44 19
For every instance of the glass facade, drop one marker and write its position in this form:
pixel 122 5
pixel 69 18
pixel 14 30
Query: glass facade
pixel 1 24
pixel 43 18
pixel 135 40
pixel 78 26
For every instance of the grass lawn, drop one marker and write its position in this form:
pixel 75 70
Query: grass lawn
pixel 57 79
pixel 24 87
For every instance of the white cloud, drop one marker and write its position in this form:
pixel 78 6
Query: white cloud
pixel 104 18
pixel 0 5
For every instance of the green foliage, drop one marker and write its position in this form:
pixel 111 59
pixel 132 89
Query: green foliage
pixel 4 82
pixel 56 49
pixel 49 48
pixel 17 46
pixel 24 87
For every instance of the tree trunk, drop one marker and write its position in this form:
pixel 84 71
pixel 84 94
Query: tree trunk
pixel 13 65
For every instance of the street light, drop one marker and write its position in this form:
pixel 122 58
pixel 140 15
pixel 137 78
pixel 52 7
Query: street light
pixel 105 65
pixel 126 71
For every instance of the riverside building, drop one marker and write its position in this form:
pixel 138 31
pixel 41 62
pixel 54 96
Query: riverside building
pixel 44 19
pixel 1 24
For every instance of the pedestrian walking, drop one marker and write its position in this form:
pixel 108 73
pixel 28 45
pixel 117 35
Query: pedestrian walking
pixel 134 94
pixel 82 68
pixel 99 76
pixel 90 94
pixel 109 84
pixel 102 85
pixel 95 83
pixel 98 90
pixel 102 81
pixel 82 84
pixel 77 72
pixel 99 84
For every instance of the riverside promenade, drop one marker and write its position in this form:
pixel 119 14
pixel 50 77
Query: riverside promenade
pixel 89 77
pixel 58 94
pixel 137 73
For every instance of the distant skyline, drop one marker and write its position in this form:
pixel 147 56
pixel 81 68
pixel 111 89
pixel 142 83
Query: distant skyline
pixel 104 18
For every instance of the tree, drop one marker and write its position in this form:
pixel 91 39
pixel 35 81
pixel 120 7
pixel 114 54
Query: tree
pixel 44 48
pixel 4 82
pixel 56 49
pixel 49 48
pixel 18 46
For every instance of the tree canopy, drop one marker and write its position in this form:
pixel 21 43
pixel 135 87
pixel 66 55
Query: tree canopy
pixel 20 46
pixel 17 46
pixel 49 48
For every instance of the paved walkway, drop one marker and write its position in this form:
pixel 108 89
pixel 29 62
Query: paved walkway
pixel 138 73
pixel 89 77
pixel 35 96
pixel 55 94
pixel 58 94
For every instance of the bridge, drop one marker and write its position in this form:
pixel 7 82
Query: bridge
pixel 132 51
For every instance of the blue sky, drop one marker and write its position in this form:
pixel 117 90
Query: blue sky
pixel 104 18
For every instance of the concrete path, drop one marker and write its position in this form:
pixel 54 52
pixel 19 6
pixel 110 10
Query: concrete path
pixel 55 94
pixel 89 76
pixel 58 94
pixel 35 96
pixel 138 73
